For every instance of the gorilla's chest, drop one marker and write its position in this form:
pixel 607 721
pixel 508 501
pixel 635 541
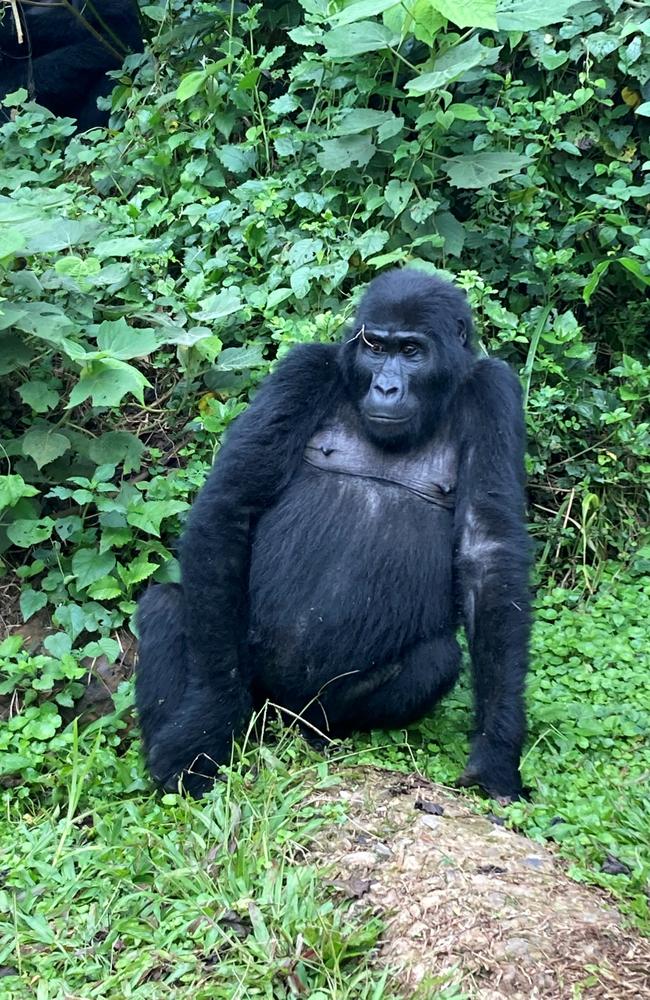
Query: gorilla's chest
pixel 353 563
pixel 428 472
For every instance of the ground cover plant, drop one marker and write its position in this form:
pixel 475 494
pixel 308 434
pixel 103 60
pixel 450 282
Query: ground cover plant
pixel 264 164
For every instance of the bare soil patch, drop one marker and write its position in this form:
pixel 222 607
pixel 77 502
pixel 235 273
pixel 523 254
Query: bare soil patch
pixel 466 901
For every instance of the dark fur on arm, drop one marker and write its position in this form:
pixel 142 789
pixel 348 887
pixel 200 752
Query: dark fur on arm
pixel 259 457
pixel 493 562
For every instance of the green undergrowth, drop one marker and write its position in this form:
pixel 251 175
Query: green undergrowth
pixel 111 891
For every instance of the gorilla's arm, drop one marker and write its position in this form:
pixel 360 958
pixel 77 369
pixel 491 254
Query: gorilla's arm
pixel 260 455
pixel 493 563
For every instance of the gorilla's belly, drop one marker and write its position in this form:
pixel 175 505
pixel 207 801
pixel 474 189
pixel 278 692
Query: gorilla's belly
pixel 346 573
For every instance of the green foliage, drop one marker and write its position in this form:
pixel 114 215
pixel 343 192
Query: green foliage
pixel 244 201
pixel 173 898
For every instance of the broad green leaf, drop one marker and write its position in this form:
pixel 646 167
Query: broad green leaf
pixel 218 305
pixel 43 728
pixel 43 445
pixel 31 601
pixel 468 13
pixel 126 246
pixel 122 341
pixel 10 314
pixel 106 382
pixel 191 84
pixel 117 448
pixel 237 159
pixel 528 15
pixel 629 263
pixel 236 359
pixel 148 514
pixel 11 645
pixel 14 763
pixel 105 589
pixel 110 648
pixel 11 242
pixel 73 619
pixel 594 279
pixel 478 170
pixel 27 531
pixel 277 297
pixel 636 268
pixel 12 489
pixel 41 319
pixel 50 235
pixel 398 195
pixel 89 565
pixel 644 109
pixel 139 569
pixel 466 112
pixel 74 266
pixel 416 17
pixel 453 64
pixel 452 231
pixel 355 39
pixel 207 347
pixel 360 10
pixel 360 119
pixel 58 644
pixel 14 352
pixel 39 395
pixel 338 154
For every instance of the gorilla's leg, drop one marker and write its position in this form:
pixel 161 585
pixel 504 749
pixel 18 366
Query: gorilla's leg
pixel 177 716
pixel 397 694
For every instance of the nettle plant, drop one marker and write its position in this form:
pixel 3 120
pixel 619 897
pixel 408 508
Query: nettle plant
pixel 267 164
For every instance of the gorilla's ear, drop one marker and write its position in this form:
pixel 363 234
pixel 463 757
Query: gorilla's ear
pixel 462 331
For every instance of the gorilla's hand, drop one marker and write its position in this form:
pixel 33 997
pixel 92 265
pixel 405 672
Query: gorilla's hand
pixel 197 741
pixel 494 768
pixel 175 772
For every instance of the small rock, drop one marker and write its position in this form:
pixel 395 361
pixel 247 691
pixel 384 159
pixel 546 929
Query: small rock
pixel 431 808
pixel 361 859
pixel 614 866
pixel 353 888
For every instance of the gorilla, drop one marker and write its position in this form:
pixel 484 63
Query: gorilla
pixel 64 51
pixel 368 502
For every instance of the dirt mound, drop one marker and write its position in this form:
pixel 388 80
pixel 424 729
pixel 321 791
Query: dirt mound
pixel 467 902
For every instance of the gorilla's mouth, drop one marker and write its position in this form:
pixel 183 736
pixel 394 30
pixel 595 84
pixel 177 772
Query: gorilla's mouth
pixel 382 418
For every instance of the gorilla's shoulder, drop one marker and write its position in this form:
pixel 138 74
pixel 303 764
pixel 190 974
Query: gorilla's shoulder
pixel 492 380
pixel 309 357
pixel 306 367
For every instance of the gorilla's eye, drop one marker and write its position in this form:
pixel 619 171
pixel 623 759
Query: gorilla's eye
pixel 409 350
pixel 375 346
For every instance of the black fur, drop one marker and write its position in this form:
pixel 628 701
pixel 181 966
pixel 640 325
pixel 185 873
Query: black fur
pixel 60 62
pixel 338 596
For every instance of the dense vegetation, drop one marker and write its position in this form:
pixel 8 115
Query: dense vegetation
pixel 264 164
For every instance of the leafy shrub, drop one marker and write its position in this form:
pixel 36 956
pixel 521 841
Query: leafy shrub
pixel 260 177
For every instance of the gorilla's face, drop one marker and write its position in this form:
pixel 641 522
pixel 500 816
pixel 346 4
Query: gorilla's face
pixel 410 350
pixel 396 374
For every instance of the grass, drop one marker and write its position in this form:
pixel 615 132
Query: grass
pixel 110 891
